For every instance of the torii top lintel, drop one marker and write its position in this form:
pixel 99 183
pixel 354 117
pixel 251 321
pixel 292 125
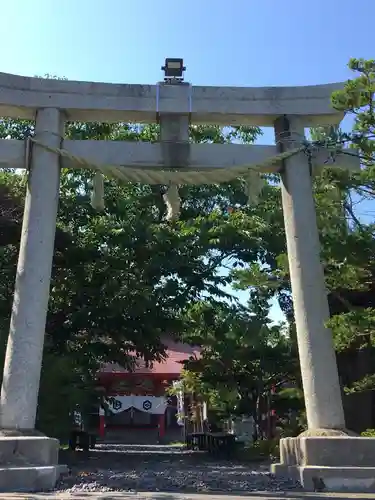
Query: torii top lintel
pixel 21 96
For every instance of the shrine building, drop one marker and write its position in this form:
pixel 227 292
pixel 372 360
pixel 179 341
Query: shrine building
pixel 138 400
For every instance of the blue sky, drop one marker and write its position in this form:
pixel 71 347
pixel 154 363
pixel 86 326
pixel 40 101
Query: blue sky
pixel 238 42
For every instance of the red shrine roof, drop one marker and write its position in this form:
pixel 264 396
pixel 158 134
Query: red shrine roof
pixel 173 364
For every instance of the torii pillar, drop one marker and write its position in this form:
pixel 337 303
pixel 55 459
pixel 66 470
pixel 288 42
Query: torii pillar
pixel 315 343
pixel 24 447
pixel 325 457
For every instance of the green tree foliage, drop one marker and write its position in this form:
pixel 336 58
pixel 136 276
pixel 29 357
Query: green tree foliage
pixel 347 238
pixel 122 279
pixel 242 357
pixel 357 99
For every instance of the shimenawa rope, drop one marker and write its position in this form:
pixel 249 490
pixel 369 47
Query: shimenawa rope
pixel 172 179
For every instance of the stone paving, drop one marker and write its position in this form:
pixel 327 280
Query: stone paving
pixel 125 468
pixel 168 473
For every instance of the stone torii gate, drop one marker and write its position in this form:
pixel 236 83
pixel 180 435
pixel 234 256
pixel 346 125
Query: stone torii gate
pixel 53 102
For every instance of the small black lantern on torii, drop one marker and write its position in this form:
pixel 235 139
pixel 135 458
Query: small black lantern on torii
pixel 173 70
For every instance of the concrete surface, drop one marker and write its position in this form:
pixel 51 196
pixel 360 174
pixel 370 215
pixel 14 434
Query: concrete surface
pixel 337 464
pixel 175 147
pixel 36 450
pixel 24 352
pixel 20 97
pixel 330 451
pixel 316 351
pixel 33 478
pixel 181 496
pixel 148 155
pixel 29 463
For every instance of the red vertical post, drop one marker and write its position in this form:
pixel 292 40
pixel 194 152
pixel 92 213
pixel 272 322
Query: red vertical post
pixel 160 388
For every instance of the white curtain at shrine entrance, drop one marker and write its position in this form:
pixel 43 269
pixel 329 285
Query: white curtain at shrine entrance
pixel 149 404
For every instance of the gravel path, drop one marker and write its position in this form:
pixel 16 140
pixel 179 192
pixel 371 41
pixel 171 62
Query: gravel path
pixel 165 469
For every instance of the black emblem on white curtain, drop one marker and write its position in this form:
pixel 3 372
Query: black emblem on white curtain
pixel 117 405
pixel 147 405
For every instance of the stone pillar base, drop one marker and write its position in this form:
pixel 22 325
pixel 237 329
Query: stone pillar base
pixel 332 464
pixel 28 463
